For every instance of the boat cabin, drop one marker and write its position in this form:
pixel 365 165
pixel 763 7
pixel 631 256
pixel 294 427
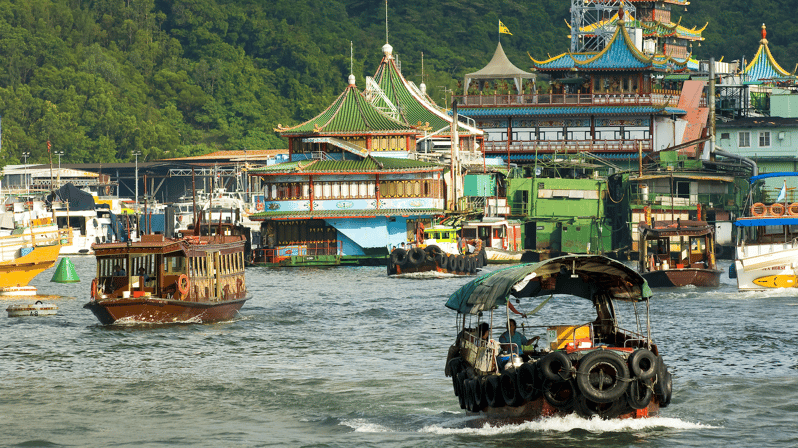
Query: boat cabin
pixel 676 245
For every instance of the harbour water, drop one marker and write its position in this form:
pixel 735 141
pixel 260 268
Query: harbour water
pixel 346 357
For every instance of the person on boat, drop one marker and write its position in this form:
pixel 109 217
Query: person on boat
pixel 483 330
pixel 511 341
pixel 143 273
pixel 118 271
pixel 462 244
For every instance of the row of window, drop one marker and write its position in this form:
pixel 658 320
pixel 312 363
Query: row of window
pixel 569 135
pixel 349 190
pixel 744 139
pixel 228 264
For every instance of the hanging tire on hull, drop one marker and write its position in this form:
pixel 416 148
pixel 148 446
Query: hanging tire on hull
pixel 587 409
pixel 399 257
pixel 643 364
pixel 640 393
pixel 560 394
pixel 663 386
pixel 442 260
pixel 509 386
pixel 416 256
pixel 555 367
pixel 493 392
pixel 529 382
pixel 602 376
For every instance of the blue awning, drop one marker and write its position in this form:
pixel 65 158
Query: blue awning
pixel 783 221
pixel 769 175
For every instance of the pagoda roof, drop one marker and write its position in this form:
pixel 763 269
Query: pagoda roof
pixel 763 66
pixel 413 107
pixel 619 54
pixel 349 114
pixel 376 165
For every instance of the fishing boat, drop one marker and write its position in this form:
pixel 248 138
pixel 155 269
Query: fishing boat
pixel 678 253
pixel 430 258
pixel 589 365
pixel 27 251
pixel 766 255
pixel 501 239
pixel 196 278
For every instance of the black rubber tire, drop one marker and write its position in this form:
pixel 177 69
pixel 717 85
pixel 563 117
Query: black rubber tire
pixel 461 377
pixel 454 369
pixel 432 251
pixel 442 261
pixel 399 257
pixel 480 402
pixel 663 386
pixel 451 263
pixel 529 381
pixel 602 376
pixel 555 367
pixel 640 393
pixel 484 257
pixel 509 387
pixel 587 409
pixel 560 394
pixel 391 267
pixel 416 256
pixel 643 364
pixel 468 389
pixel 493 391
pixel 459 263
pixel 472 268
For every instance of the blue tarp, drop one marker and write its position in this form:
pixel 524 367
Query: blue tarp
pixel 753 179
pixel 783 221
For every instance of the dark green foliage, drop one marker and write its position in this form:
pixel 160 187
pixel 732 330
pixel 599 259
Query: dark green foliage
pixel 101 79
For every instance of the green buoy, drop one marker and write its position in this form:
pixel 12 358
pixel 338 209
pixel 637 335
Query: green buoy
pixel 65 272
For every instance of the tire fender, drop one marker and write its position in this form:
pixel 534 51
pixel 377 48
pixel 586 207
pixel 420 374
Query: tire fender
pixel 602 376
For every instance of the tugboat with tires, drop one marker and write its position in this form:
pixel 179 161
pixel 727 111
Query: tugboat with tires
pixel 590 365
pixel 430 258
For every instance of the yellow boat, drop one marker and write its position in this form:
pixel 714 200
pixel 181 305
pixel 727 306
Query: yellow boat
pixel 30 250
pixel 777 281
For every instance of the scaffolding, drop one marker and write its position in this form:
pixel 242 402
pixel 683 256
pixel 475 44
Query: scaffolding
pixel 593 23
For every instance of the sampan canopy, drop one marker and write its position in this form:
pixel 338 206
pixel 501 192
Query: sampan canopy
pixel 583 276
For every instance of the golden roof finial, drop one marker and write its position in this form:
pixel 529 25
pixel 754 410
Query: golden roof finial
pixel 764 40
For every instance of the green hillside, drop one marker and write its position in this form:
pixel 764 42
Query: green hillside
pixel 104 78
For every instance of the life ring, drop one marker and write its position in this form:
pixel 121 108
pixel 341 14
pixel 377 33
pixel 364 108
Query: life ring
pixel 94 288
pixel 599 368
pixel 179 218
pixel 634 397
pixel 528 382
pixel 509 386
pixel 792 209
pixel 777 209
pixel 759 209
pixel 182 284
pixel 643 364
pixel 493 392
pixel 555 367
pixel 259 205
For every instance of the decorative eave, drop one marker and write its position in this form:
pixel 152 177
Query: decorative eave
pixel 367 165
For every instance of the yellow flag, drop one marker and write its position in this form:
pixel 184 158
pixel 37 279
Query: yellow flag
pixel 503 29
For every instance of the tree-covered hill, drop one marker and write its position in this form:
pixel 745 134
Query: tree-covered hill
pixel 101 79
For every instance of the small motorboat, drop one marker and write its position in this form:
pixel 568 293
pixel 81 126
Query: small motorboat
pixel 36 309
pixel 591 367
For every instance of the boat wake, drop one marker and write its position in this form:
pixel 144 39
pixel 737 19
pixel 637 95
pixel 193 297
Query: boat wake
pixel 426 275
pixel 563 424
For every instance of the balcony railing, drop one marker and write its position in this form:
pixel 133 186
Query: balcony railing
pixel 656 98
pixel 549 146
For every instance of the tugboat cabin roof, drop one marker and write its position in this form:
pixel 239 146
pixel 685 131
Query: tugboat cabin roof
pixel 583 276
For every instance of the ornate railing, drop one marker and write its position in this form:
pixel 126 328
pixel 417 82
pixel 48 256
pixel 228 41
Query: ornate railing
pixel 549 146
pixel 657 98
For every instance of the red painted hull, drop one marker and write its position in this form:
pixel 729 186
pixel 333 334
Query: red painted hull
pixel 156 310
pixel 682 277
pixel 540 408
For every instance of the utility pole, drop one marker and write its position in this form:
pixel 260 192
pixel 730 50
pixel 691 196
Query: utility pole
pixel 137 154
pixel 25 156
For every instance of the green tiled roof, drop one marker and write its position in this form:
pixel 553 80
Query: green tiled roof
pixel 350 113
pixel 411 110
pixel 329 214
pixel 366 165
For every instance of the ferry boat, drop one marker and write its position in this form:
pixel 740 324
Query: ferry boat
pixel 197 278
pixel 589 365
pixel 767 250
pixel 678 253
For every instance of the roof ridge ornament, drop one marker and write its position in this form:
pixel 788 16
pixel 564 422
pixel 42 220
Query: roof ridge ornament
pixel 764 40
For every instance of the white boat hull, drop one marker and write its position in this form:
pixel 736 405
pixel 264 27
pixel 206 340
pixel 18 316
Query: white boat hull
pixel 764 260
pixel 37 309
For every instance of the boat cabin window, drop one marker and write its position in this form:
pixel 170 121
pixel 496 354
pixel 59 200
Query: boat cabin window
pixel 174 265
pixel 498 232
pixel 469 233
pixel 106 266
pixel 146 261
